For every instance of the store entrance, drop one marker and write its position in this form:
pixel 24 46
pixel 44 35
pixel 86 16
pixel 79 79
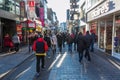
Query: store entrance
pixel 7 26
pixel 102 37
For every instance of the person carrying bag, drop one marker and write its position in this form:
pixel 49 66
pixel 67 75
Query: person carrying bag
pixel 40 47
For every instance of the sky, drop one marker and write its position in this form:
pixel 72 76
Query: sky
pixel 60 7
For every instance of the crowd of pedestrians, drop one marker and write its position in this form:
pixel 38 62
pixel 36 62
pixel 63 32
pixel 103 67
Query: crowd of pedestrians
pixel 45 45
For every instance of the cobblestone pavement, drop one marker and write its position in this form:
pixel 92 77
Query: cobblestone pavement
pixel 100 68
pixel 66 66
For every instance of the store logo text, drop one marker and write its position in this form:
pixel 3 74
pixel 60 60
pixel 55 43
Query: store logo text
pixel 100 10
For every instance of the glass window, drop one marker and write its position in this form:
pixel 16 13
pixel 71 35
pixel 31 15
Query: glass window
pixel 12 7
pixel 91 3
pixel 2 2
pixel 117 39
pixel 17 10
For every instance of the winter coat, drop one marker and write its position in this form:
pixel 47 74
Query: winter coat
pixel 88 40
pixel 54 40
pixel 40 46
pixel 48 40
pixel 70 39
pixel 81 43
pixel 59 39
pixel 15 39
pixel 8 42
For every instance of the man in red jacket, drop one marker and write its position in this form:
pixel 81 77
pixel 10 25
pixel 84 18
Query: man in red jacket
pixel 40 47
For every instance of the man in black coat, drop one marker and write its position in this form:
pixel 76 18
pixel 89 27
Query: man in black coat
pixel 88 40
pixel 81 45
pixel 60 41
pixel 48 40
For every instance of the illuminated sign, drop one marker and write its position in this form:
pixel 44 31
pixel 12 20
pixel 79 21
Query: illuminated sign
pixel 31 3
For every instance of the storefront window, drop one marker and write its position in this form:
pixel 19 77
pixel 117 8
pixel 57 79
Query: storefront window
pixel 102 35
pixel 117 39
pixel 109 27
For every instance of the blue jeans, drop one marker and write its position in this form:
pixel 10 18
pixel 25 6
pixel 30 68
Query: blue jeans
pixel 87 54
pixel 49 52
pixel 80 55
pixel 92 47
pixel 70 47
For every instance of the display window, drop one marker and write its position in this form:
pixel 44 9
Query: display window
pixel 93 27
pixel 109 28
pixel 102 32
pixel 102 35
pixel 117 39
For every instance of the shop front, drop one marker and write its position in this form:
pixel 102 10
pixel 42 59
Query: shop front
pixel 108 26
pixel 101 33
pixel 116 37
pixel 6 26
pixel 28 27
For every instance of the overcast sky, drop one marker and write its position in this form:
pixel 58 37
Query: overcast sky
pixel 60 7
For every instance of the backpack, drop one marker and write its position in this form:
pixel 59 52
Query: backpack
pixel 40 47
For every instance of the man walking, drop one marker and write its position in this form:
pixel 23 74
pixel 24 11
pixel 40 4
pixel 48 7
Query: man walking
pixel 88 39
pixel 59 41
pixel 81 45
pixel 48 40
pixel 40 47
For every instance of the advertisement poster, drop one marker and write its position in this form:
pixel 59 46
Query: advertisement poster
pixel 42 16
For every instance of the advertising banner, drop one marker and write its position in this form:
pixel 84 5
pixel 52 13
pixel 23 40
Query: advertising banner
pixel 22 9
pixel 42 16
pixel 31 9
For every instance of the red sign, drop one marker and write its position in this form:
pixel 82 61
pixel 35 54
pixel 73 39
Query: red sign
pixel 31 3
pixel 31 24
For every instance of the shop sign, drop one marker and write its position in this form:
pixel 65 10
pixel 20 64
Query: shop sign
pixel 31 3
pixel 31 8
pixel 31 25
pixel 22 8
pixel 101 10
pixel 19 29
pixel 42 16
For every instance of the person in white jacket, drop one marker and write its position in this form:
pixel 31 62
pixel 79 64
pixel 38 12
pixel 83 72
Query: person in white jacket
pixel 53 43
pixel 16 41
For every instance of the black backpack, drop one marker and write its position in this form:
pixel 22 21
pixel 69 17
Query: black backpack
pixel 40 47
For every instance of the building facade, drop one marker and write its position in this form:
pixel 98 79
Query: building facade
pixel 103 18
pixel 9 17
